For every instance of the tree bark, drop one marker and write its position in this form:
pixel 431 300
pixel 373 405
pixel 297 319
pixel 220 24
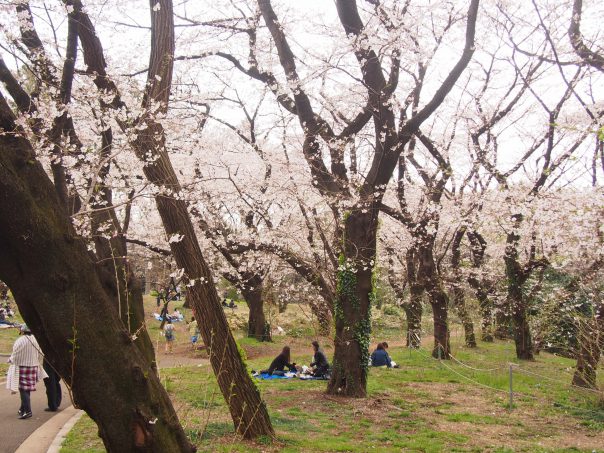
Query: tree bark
pixel 516 277
pixel 248 411
pixel 442 344
pixel 459 296
pixel 480 285
pixel 353 306
pixel 413 310
pixel 58 292
pixel 257 326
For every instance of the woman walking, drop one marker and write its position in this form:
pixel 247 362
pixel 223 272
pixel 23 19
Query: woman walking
pixel 25 370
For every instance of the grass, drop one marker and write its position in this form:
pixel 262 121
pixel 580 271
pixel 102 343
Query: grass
pixel 424 406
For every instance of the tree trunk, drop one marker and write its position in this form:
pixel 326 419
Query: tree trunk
pixel 257 326
pixel 323 314
pixel 59 294
pixel 459 296
pixel 353 306
pixel 503 322
pixel 429 276
pixel 442 345
pixel 413 310
pixel 459 302
pixel 522 331
pixel 248 411
pixel 485 305
pixel 516 302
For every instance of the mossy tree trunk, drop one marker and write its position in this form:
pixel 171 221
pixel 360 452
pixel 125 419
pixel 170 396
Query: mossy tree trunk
pixel 353 306
pixel 60 296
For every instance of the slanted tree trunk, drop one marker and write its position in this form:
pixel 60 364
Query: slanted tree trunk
pixel 59 294
pixel 459 297
pixel 248 411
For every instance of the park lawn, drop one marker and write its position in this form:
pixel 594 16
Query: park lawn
pixel 425 406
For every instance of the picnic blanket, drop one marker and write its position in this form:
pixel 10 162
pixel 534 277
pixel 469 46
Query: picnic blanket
pixel 308 377
pixel 158 317
pixel 268 377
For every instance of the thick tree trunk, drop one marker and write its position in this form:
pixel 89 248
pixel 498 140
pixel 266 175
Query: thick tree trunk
pixel 413 311
pixel 257 326
pixel 353 306
pixel 61 298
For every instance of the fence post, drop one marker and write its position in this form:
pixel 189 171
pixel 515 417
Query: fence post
pixel 511 388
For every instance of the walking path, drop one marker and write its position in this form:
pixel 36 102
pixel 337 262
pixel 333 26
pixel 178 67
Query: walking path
pixel 45 431
pixel 15 431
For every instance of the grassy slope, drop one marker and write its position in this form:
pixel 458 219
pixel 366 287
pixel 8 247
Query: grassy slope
pixel 424 406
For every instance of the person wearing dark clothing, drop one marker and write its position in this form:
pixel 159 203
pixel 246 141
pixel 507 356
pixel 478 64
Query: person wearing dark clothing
pixel 380 357
pixel 279 363
pixel 319 361
pixel 53 388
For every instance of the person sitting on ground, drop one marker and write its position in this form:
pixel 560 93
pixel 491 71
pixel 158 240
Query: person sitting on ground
pixel 194 332
pixel 380 357
pixel 4 318
pixel 232 304
pixel 319 363
pixel 279 363
pixel 224 302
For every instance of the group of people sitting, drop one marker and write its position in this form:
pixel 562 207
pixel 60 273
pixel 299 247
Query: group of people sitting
pixel 319 367
pixel 229 304
pixel 5 313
